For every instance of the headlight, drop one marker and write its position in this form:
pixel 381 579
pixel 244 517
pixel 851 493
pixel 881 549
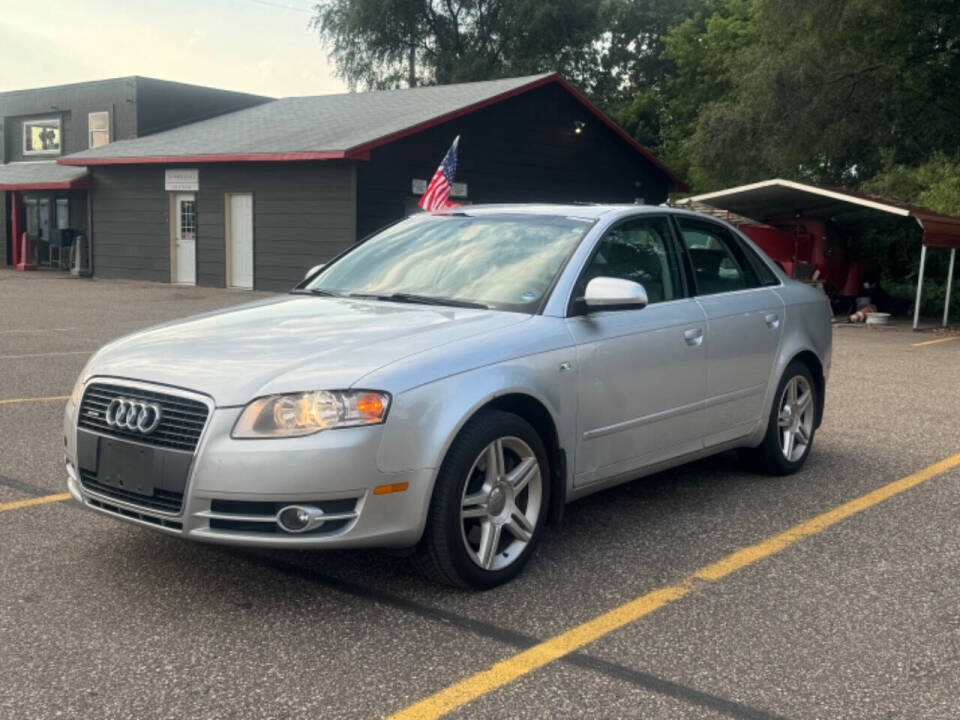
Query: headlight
pixel 306 413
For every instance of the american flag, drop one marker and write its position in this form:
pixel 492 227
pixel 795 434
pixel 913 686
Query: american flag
pixel 437 194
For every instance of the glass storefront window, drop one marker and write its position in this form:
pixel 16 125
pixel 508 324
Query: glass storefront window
pixel 63 213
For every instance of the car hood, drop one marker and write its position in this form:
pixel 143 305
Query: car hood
pixel 288 344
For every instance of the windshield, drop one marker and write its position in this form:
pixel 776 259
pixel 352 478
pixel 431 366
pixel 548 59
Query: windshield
pixel 504 261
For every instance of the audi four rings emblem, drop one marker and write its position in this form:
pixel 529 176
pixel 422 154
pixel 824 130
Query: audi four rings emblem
pixel 133 415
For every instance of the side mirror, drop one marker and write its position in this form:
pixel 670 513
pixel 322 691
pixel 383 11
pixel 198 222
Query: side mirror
pixel 608 292
pixel 314 270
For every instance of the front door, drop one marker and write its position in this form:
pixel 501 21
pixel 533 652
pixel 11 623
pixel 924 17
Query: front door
pixel 186 238
pixel 744 320
pixel 240 251
pixel 642 373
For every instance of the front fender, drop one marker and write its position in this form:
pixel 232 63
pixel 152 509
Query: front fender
pixel 424 421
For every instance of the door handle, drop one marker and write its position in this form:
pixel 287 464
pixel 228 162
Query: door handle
pixel 693 336
pixel 772 320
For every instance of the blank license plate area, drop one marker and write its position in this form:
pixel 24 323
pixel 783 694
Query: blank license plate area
pixel 126 466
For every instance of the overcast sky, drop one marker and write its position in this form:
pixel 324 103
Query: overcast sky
pixel 257 46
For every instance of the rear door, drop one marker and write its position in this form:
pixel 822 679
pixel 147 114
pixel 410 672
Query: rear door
pixel 744 321
pixel 642 373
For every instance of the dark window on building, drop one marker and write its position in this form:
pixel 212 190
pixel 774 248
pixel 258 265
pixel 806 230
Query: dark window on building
pixel 640 250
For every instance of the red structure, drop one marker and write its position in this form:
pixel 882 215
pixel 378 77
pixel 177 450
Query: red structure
pixel 803 251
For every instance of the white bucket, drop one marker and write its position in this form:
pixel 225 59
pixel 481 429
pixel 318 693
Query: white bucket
pixel 878 318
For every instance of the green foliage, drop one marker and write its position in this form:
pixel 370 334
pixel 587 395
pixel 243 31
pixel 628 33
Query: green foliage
pixel 934 184
pixel 387 43
pixel 818 90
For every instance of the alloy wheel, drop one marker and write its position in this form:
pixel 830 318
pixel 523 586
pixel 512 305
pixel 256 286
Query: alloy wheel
pixel 501 503
pixel 795 418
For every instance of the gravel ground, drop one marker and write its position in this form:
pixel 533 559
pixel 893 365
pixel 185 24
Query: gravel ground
pixel 102 619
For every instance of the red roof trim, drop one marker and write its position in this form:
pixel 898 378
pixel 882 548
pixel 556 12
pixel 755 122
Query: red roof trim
pixel 78 184
pixel 250 157
pixel 678 185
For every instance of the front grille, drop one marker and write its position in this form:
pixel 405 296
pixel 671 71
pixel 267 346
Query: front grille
pixel 125 512
pixel 180 426
pixel 162 500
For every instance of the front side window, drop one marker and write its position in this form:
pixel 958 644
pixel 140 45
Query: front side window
pixel 719 264
pixel 41 137
pixel 98 124
pixel 640 250
pixel 506 261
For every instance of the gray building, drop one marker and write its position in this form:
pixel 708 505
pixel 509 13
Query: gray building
pixel 41 125
pixel 253 198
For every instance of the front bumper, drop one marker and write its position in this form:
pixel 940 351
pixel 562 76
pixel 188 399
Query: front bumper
pixel 232 482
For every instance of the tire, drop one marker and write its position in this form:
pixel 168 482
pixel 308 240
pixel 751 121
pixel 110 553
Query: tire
pixel 481 530
pixel 771 455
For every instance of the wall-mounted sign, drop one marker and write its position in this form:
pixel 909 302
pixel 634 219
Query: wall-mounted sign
pixel 41 137
pixel 181 180
pixel 419 187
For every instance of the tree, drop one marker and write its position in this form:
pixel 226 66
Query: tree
pixel 934 184
pixel 386 43
pixel 826 91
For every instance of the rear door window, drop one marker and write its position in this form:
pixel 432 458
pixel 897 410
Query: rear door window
pixel 719 263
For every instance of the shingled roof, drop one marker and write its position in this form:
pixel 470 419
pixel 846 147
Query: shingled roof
pixel 41 175
pixel 326 127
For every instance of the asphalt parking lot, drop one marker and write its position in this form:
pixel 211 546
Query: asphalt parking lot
pixel 716 612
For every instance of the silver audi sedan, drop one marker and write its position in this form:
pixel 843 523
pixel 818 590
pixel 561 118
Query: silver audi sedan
pixel 448 384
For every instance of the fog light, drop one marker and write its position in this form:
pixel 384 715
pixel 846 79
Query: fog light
pixel 299 518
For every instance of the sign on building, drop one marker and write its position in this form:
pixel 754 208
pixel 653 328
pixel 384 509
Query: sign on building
pixel 419 187
pixel 181 180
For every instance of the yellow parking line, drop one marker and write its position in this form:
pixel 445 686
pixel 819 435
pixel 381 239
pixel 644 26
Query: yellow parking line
pixel 49 354
pixel 521 664
pixel 34 501
pixel 934 342
pixel 13 401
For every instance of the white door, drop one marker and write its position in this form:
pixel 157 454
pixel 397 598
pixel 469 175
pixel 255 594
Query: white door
pixel 186 238
pixel 241 241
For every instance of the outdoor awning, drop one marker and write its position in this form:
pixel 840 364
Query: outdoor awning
pixel 43 175
pixel 773 201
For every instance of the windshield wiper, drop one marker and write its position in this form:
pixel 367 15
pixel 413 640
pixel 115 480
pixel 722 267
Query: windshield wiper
pixel 420 299
pixel 319 291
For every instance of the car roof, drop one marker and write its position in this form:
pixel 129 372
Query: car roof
pixel 584 210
